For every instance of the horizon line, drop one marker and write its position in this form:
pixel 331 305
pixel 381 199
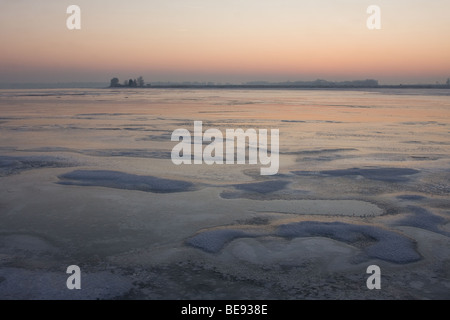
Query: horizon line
pixel 196 83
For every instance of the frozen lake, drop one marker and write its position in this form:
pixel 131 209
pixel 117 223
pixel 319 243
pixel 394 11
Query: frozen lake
pixel 87 179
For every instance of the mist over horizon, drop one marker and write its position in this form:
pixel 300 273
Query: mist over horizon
pixel 105 84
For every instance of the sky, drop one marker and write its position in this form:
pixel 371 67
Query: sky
pixel 224 41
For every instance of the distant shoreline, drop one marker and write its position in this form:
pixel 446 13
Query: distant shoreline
pixel 175 86
pixel 220 86
pixel 316 84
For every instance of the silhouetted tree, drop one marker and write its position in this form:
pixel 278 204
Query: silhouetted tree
pixel 114 82
pixel 448 82
pixel 130 82
pixel 140 81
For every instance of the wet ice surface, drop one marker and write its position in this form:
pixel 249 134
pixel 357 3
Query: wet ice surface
pixel 87 179
pixel 424 219
pixel 388 245
pixel 383 174
pixel 14 165
pixel 263 187
pixel 120 180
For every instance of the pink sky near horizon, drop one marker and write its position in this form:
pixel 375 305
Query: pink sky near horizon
pixel 225 41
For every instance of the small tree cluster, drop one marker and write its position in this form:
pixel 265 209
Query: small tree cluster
pixel 133 83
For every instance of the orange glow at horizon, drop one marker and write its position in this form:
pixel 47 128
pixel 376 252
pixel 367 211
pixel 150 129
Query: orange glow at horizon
pixel 230 40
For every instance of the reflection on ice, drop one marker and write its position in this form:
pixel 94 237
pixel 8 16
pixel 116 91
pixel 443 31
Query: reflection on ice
pixel 363 178
pixel 121 180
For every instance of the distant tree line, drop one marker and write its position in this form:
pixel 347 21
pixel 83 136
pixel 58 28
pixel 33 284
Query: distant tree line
pixel 368 83
pixel 132 83
pixel 319 83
